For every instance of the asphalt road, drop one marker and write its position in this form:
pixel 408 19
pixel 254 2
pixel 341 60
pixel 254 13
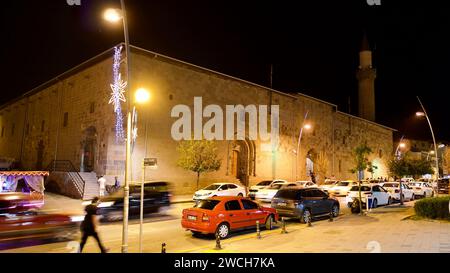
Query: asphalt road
pixel 157 229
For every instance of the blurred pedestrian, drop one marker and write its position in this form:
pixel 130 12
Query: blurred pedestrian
pixel 89 226
pixel 116 183
pixel 102 185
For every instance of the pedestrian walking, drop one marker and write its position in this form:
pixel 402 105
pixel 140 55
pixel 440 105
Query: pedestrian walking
pixel 89 226
pixel 102 185
pixel 116 183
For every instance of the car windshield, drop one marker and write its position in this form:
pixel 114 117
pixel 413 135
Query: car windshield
pixel 343 184
pixel 212 187
pixel 390 185
pixel 363 188
pixel 207 204
pixel 329 182
pixel 264 183
pixel 288 194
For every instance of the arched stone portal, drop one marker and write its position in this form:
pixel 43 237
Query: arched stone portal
pixel 88 149
pixel 243 160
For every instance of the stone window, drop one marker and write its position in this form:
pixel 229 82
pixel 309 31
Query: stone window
pixel 380 153
pixel 3 130
pixel 92 107
pixel 12 129
pixel 66 119
pixel 340 166
pixel 42 126
pixel 344 140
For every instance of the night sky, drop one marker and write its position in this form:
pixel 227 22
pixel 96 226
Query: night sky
pixel 313 46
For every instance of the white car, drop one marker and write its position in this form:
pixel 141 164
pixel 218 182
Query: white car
pixel 422 189
pixel 376 193
pixel 342 188
pixel 219 189
pixel 266 194
pixel 261 185
pixel 328 184
pixel 305 184
pixel 394 190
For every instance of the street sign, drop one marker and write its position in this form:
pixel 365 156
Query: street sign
pixel 150 162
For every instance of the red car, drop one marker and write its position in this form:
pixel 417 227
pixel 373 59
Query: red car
pixel 221 214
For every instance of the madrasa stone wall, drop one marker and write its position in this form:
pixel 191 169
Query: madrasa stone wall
pixel 171 83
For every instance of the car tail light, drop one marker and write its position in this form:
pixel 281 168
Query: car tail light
pixel 205 218
pixel 417 188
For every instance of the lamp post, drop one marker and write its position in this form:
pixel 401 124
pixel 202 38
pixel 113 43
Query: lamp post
pixel 297 152
pixel 114 15
pixel 142 96
pixel 424 114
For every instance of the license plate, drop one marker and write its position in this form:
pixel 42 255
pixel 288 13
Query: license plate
pixel 282 204
pixel 192 218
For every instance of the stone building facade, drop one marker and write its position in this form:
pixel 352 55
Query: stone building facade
pixel 69 119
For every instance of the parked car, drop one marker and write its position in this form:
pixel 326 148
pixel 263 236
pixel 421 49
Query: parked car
pixel 305 184
pixel 394 190
pixel 423 189
pixel 156 199
pixel 342 188
pixel 14 202
pixel 328 184
pixel 27 226
pixel 376 193
pixel 261 185
pixel 442 185
pixel 304 203
pixel 222 214
pixel 219 189
pixel 266 194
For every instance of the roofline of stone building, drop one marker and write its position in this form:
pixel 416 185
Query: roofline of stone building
pixel 366 120
pixel 103 55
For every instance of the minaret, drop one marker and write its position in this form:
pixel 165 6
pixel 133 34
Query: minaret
pixel 366 82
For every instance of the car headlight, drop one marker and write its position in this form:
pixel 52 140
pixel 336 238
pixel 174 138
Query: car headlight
pixel 105 204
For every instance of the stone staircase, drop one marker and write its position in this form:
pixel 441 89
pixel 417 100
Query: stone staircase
pixel 91 187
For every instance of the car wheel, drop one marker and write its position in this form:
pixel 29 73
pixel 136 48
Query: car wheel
pixel 335 210
pixel 114 216
pixel 240 195
pixel 195 232
pixel 269 222
pixel 223 230
pixel 306 216
pixel 65 235
pixel 375 203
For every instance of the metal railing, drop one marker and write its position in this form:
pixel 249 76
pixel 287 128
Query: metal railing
pixel 68 167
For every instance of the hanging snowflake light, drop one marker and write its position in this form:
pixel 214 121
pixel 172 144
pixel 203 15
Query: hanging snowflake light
pixel 117 94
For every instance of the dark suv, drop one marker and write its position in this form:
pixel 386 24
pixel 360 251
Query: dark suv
pixel 304 203
pixel 156 197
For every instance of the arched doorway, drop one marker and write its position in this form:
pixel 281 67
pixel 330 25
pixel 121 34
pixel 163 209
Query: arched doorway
pixel 243 160
pixel 88 150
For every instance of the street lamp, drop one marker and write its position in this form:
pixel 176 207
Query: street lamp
pixel 114 15
pixel 305 126
pixel 142 96
pixel 424 114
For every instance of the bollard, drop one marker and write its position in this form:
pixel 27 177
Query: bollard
pixel 218 246
pixel 258 231
pixel 283 226
pixel 331 217
pixel 163 248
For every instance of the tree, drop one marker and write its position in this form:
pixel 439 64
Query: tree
pixel 199 156
pixel 362 164
pixel 321 165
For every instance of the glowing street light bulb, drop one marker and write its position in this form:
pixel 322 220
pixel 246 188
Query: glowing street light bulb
pixel 432 152
pixel 112 15
pixel 142 95
pixel 402 145
pixel 420 114
pixel 307 126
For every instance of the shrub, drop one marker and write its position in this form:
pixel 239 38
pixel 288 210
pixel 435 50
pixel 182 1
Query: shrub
pixel 434 208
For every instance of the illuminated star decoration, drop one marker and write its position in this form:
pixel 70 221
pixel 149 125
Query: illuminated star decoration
pixel 117 95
